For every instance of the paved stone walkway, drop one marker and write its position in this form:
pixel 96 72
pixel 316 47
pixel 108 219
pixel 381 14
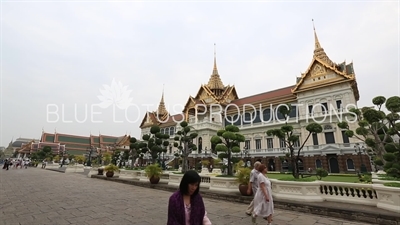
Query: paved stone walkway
pixel 38 197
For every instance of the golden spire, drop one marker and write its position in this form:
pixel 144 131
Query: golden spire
pixel 319 51
pixel 161 107
pixel 215 82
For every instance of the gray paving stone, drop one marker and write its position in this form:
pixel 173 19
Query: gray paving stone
pixel 41 197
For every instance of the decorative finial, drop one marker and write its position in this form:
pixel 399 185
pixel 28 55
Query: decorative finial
pixel 317 45
pixel 215 70
pixel 313 24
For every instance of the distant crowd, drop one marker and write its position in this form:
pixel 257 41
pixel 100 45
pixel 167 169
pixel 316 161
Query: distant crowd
pixel 15 163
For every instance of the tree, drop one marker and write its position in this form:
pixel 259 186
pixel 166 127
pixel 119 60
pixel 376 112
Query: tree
pixel 228 141
pixel 377 129
pixel 154 143
pixel 45 153
pixel 286 134
pixel 184 142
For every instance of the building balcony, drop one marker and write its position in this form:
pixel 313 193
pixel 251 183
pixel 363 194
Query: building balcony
pixel 336 148
pixel 207 125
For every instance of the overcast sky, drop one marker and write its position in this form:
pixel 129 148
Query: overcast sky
pixel 65 56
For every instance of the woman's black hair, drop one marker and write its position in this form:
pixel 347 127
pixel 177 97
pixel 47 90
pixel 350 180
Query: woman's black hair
pixel 190 177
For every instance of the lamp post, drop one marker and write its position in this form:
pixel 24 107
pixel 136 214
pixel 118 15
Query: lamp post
pixel 90 151
pixel 359 149
pixel 244 154
pixel 62 153
pixel 100 156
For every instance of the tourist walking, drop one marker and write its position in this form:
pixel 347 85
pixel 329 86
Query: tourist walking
pixel 253 186
pixel 6 164
pixel 186 206
pixel 263 202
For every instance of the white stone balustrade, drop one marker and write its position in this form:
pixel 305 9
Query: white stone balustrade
pixel 296 191
pixel 378 195
pixel 224 184
pixel 354 193
pixel 387 197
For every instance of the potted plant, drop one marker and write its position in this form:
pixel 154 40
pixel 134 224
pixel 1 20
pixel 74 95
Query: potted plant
pixel 243 177
pixel 110 169
pixel 100 171
pixel 153 172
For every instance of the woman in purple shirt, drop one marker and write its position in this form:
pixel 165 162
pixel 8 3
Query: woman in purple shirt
pixel 186 206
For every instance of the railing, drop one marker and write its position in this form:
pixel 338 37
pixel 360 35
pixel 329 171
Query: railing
pixel 344 146
pixel 378 195
pixel 348 192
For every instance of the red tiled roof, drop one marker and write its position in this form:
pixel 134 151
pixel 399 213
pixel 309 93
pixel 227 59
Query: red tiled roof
pixel 274 94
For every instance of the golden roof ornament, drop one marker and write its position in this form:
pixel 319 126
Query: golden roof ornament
pixel 319 51
pixel 161 107
pixel 215 82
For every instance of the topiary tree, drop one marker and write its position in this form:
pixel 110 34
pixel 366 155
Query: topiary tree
pixel 286 134
pixel 321 173
pixel 154 143
pixel 228 141
pixel 184 142
pixel 377 129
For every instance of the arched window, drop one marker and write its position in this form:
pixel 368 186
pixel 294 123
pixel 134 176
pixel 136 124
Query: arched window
pixel 267 116
pixel 350 165
pixel 162 131
pixel 318 163
pixel 171 131
pixel 301 165
pixel 166 130
pixel 256 117
pixel 246 118
pixel 237 120
pixel 228 120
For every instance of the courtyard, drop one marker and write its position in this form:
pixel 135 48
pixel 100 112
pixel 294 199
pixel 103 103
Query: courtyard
pixel 39 197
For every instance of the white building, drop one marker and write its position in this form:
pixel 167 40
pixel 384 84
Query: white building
pixel 324 93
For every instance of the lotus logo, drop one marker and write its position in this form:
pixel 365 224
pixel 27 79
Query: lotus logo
pixel 115 94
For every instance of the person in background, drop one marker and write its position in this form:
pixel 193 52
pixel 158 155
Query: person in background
pixel 253 185
pixel 186 206
pixel 263 202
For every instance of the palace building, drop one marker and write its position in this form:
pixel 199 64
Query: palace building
pixel 72 144
pixel 324 93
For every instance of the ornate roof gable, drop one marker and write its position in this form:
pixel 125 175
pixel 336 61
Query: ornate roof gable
pixel 323 71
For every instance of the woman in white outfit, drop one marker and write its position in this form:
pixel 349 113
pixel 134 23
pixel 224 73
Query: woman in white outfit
pixel 263 202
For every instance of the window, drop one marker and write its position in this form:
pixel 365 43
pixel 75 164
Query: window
pixel 296 144
pixel 310 109
pixel 318 163
pixel 256 117
pixel 293 112
pixel 247 144
pixel 339 105
pixel 266 116
pixel 166 131
pixel 270 143
pixel 258 143
pixel 162 131
pixel 282 143
pixel 247 118
pixel 329 138
pixel 315 139
pixel 324 108
pixel 237 120
pixel 345 138
pixel 172 131
pixel 350 165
